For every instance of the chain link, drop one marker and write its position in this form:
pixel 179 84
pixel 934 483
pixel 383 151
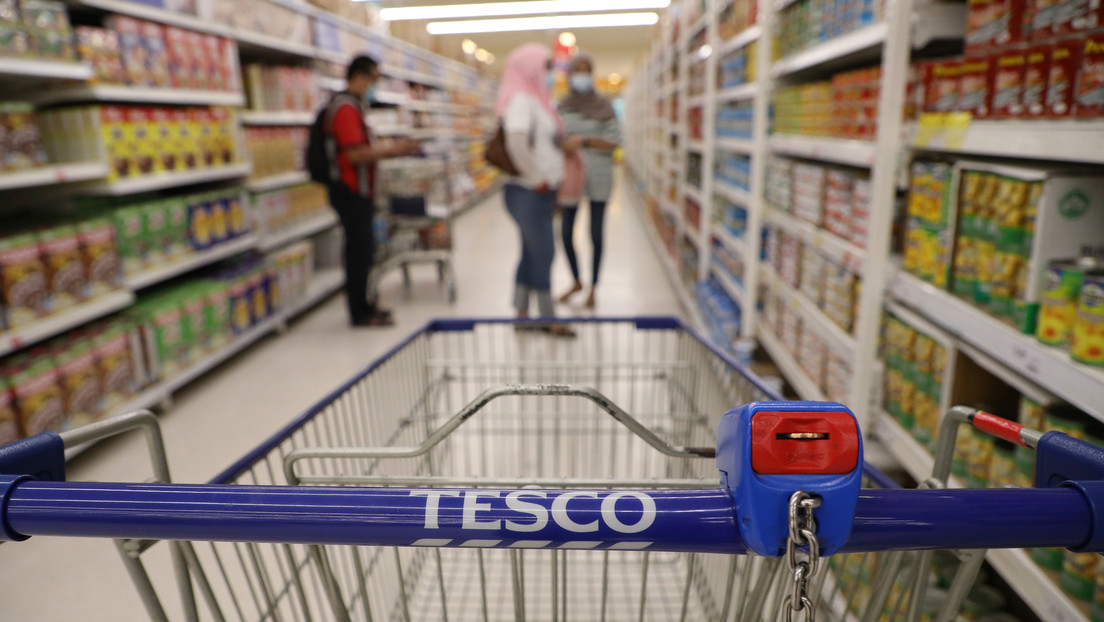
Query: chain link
pixel 803 565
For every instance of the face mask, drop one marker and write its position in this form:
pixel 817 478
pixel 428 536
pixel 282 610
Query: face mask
pixel 369 94
pixel 550 81
pixel 582 82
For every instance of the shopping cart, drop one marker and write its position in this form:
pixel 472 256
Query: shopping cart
pixel 414 224
pixel 477 472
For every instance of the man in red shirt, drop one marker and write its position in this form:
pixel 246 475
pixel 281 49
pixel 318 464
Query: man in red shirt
pixel 351 195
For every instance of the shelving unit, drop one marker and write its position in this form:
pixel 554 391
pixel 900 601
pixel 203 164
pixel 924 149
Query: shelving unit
pixel 57 323
pixel 138 95
pixel 191 262
pixel 21 69
pixel 262 117
pixel 53 174
pixel 657 152
pixel 274 182
pixel 317 224
pixel 149 183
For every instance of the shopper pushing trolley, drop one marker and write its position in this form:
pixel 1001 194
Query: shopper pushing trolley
pixel 475 473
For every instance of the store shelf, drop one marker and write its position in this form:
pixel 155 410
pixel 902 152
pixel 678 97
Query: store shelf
pixel 695 195
pixel 734 289
pixel 21 69
pixel 1066 141
pixel 58 323
pixel 733 93
pixel 1023 575
pixel 1050 368
pixel 391 130
pixel 321 222
pixel 138 95
pixel 259 44
pixel 696 101
pixel 735 145
pixel 747 36
pixel 191 262
pixel 733 243
pixel 264 117
pixel 432 133
pixel 697 146
pixel 274 182
pixel 804 386
pixel 862 42
pixel 736 195
pixel 837 338
pixel 148 183
pixel 839 150
pixel 839 250
pixel 53 174
pixel 147 11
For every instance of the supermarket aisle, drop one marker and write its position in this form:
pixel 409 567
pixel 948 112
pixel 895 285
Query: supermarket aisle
pixel 219 418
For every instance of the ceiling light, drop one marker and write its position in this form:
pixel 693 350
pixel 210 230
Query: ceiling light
pixel 490 58
pixel 567 39
pixel 529 7
pixel 481 55
pixel 607 20
pixel 468 46
pixel 614 79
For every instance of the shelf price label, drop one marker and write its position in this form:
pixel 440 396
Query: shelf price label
pixel 1027 358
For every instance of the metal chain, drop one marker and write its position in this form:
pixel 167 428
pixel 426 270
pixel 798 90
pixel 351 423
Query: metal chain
pixel 803 565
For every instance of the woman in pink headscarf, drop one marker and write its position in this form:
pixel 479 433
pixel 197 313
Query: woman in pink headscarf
pixel 534 133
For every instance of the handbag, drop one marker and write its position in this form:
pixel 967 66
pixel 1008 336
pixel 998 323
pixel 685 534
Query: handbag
pixel 496 154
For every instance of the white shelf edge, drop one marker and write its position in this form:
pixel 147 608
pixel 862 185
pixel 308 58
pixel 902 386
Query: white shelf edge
pixel 57 323
pixel 733 288
pixel 840 250
pixel 749 34
pixel 139 94
pixel 298 231
pixel 323 284
pixel 733 243
pixel 860 153
pixel 215 359
pixel 134 185
pixel 1024 576
pixel 734 93
pixel 854 42
pixel 153 276
pixel 264 117
pixel 838 339
pixel 668 262
pixel 1069 140
pixel 695 101
pixel 793 373
pixel 274 182
pixel 693 194
pixel 44 68
pixel 53 174
pixel 735 145
pixel 274 44
pixel 732 193
pixel 145 11
pixel 1050 368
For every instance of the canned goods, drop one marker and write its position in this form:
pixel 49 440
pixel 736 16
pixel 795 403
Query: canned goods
pixel 1058 308
pixel 1078 578
pixel 1087 343
pixel 981 456
pixel 1058 422
pixel 1002 467
pixel 1032 413
pixel 960 464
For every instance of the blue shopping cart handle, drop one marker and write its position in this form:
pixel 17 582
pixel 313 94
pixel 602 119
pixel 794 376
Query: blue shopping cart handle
pixel 696 521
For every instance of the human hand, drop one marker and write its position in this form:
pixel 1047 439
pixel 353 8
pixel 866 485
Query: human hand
pixel 543 187
pixel 408 147
pixel 573 144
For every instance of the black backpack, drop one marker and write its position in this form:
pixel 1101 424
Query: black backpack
pixel 321 147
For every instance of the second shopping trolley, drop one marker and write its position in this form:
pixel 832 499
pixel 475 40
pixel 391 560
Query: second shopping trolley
pixel 478 472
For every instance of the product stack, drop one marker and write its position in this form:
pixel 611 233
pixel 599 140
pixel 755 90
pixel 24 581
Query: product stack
pixel 37 29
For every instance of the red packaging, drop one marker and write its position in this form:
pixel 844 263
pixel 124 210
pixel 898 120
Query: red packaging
pixel 979 24
pixel 216 70
pixel 995 23
pixel 919 78
pixel 1075 16
pixel 187 151
pixel 176 44
pixel 1012 25
pixel 1042 19
pixel 1065 62
pixel 973 85
pixel 1006 87
pixel 943 93
pixel 1036 74
pixel 1090 79
pixel 200 61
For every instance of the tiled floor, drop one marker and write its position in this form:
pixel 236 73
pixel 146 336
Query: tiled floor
pixel 219 418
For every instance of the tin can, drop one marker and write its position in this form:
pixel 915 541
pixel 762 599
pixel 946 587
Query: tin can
pixel 1078 577
pixel 1032 413
pixel 980 461
pixel 1087 344
pixel 1059 304
pixel 1002 467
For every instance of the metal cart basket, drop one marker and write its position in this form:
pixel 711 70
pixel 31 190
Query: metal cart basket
pixel 478 472
pixel 414 223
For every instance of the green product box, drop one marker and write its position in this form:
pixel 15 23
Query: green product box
pixel 163 316
pixel 1078 577
pixel 156 221
pixel 176 231
pixel 216 312
pixel 192 322
pixel 1051 559
pixel 132 240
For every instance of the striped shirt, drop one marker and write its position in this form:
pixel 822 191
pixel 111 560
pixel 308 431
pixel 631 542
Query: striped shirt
pixel 599 163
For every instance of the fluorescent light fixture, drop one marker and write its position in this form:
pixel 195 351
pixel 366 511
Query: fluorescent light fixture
pixel 529 7
pixel 567 39
pixel 557 22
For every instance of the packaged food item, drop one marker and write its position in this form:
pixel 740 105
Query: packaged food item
pixel 24 286
pixel 111 345
pixel 155 225
pixel 216 312
pixel 100 48
pixel 1036 75
pixel 1006 90
pixel 10 430
pixel 201 128
pixel 176 227
pixel 36 392
pixel 117 140
pixel 1058 308
pixel 1044 14
pixel 48 28
pixel 132 49
pixel 162 315
pixel 1002 466
pixel 1087 344
pixel 200 228
pixel 21 147
pixel 1078 576
pixel 66 270
pixel 974 83
pixel 186 146
pixel 79 378
pixel 1089 97
pixel 981 459
pixel 193 323
pixel 1032 413
pixel 1065 62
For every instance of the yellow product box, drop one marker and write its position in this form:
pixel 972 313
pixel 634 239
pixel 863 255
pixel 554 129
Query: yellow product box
pixel 200 129
pixel 184 140
pixel 164 136
pixel 113 133
pixel 142 139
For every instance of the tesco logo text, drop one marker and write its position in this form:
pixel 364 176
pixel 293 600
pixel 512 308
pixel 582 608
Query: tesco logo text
pixel 534 516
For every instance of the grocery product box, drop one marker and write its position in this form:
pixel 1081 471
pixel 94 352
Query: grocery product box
pixel 79 379
pixel 35 392
pixel 930 224
pixel 25 294
pixel 116 347
pixel 1014 221
pixel 10 429
pixel 66 269
pixel 21 143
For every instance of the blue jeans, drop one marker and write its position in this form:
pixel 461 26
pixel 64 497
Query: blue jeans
pixel 532 211
pixel 597 220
